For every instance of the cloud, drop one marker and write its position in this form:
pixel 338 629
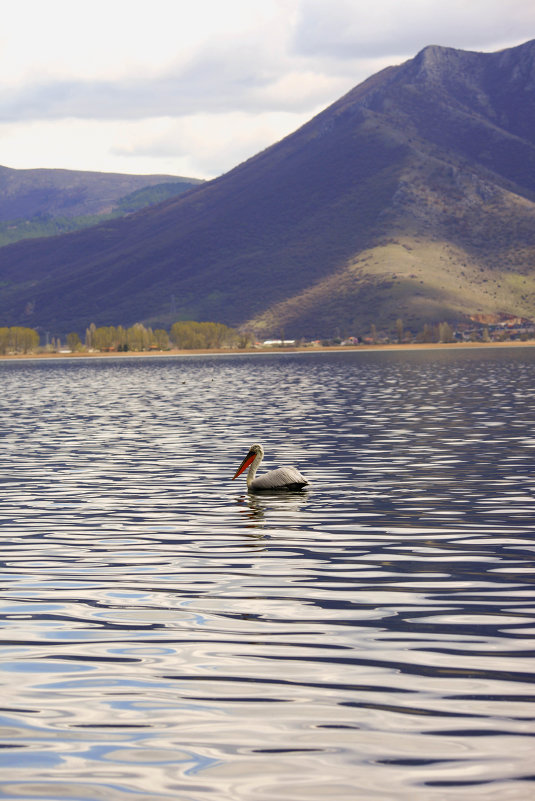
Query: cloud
pixel 193 89
pixel 224 79
pixel 189 141
pixel 294 63
pixel 179 59
pixel 344 29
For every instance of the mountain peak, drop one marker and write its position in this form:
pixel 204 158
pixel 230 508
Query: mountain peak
pixel 413 196
pixel 433 53
pixel 439 63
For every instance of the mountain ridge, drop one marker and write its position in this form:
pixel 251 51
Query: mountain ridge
pixel 27 192
pixel 411 196
pixel 45 202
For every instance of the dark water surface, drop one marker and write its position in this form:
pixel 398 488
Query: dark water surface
pixel 164 635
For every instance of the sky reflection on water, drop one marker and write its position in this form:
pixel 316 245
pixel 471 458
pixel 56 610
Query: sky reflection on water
pixel 167 635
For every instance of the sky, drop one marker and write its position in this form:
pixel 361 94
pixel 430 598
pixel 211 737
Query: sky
pixel 194 87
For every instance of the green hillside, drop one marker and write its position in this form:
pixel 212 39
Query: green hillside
pixel 413 196
pixel 43 203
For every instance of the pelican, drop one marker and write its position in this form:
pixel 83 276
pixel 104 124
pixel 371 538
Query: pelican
pixel 284 478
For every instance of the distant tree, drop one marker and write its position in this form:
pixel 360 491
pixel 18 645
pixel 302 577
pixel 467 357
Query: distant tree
pixel 90 336
pixel 373 333
pixel 399 329
pixel 121 338
pixel 23 340
pixel 189 334
pixel 4 340
pixel 161 339
pixel 427 334
pixel 105 338
pixel 218 335
pixel 245 339
pixel 138 337
pixel 445 332
pixel 74 342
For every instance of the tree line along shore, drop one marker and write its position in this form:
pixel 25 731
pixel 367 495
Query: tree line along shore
pixel 208 336
pixel 186 335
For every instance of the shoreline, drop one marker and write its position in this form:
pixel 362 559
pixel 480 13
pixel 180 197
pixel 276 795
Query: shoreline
pixel 392 347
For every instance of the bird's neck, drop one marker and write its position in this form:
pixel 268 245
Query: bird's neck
pixel 253 468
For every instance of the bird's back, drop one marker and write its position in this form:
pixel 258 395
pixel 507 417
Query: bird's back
pixel 283 478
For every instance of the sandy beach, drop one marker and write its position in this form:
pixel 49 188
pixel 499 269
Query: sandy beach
pixel 412 346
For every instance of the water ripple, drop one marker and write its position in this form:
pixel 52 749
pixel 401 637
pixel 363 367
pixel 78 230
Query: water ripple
pixel 167 635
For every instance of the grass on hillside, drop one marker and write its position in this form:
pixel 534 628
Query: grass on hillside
pixel 15 230
pixel 46 225
pixel 408 278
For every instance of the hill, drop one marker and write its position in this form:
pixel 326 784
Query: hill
pixel 37 203
pixel 412 196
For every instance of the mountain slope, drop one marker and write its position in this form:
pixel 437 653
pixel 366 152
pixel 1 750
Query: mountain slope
pixel 46 202
pixel 412 196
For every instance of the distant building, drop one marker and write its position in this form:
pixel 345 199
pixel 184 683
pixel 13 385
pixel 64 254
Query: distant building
pixel 269 343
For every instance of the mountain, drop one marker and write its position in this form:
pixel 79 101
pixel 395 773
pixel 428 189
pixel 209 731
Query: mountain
pixel 47 202
pixel 412 196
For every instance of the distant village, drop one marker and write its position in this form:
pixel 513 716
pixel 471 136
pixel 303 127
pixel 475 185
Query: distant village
pixel 191 335
pixel 481 328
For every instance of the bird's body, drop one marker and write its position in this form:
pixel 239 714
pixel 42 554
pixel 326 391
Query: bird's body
pixel 284 478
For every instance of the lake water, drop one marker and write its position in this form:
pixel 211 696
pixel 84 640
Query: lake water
pixel 165 635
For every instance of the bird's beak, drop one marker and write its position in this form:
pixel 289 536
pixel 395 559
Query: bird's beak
pixel 245 464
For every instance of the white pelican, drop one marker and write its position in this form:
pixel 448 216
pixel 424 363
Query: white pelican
pixel 284 478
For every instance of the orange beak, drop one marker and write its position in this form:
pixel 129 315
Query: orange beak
pixel 249 459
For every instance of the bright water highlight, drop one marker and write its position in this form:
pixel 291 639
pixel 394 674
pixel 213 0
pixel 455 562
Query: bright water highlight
pixel 165 635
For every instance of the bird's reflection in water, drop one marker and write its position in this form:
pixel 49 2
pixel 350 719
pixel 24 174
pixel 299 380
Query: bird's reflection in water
pixel 255 507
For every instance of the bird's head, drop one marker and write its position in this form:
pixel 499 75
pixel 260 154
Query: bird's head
pixel 253 452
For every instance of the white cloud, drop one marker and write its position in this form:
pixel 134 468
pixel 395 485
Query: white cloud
pixel 163 145
pixel 113 39
pixel 241 80
pixel 186 141
pixel 194 88
pixel 341 29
